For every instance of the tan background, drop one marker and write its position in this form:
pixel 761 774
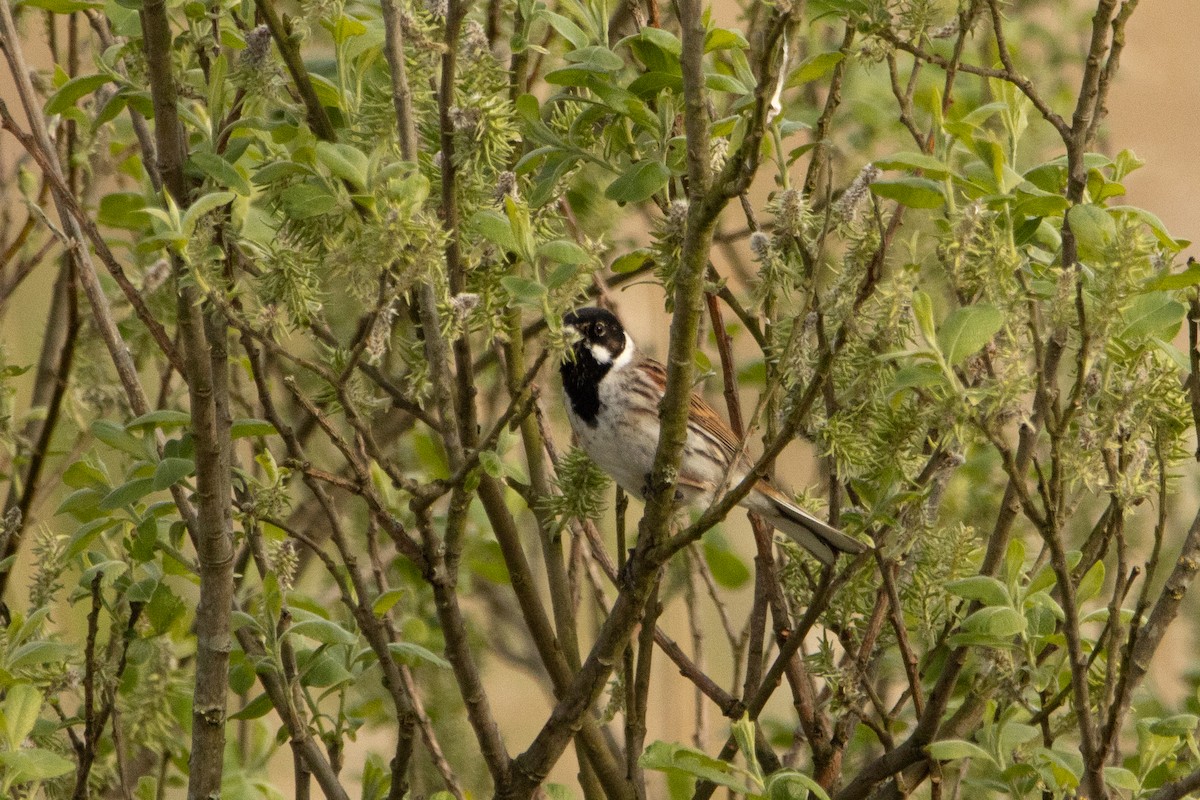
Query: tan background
pixel 1154 110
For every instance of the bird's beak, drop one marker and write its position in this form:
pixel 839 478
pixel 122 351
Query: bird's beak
pixel 574 337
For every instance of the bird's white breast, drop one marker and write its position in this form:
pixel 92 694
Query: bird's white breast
pixel 624 438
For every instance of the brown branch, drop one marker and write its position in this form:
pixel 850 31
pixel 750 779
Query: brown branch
pixel 289 48
pixel 393 30
pixel 1008 75
pixel 206 370
pixel 91 731
pixel 97 299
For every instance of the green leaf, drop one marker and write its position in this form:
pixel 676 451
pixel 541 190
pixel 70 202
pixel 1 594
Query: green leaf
pixel 384 602
pixel 205 204
pixel 37 653
pixel 343 27
pixel 221 171
pixel 727 567
pixel 789 784
pixel 322 670
pixel 62 6
pixel 344 161
pixel 1155 224
pixel 322 630
pixel 495 227
pixel 491 463
pixel 910 191
pixel 278 171
pixel 717 82
pixel 82 475
pixel 1122 778
pixel 83 538
pixel 1000 622
pixel 560 275
pixel 123 210
pixel 1155 314
pixel 724 39
pixel 21 709
pixel 116 437
pixel 932 167
pixel 164 419
pixel 922 307
pixel 984 588
pixel 164 608
pixel 967 330
pixel 245 428
pixel 413 654
pixel 667 757
pixel 562 251
pixel 1094 230
pixel 127 494
pixel 172 470
pixel 659 37
pixel 632 261
pixel 917 376
pixel 306 200
pixel 33 764
pixel 74 89
pixel 639 182
pixel 957 750
pixel 595 57
pixel 1091 583
pixel 566 29
pixel 523 290
pixel 1179 725
pixel 812 68
pixel 80 503
pixel 258 707
pixel 1179 280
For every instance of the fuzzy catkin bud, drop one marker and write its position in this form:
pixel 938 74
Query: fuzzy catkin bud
pixel 380 335
pixel 464 119
pixel 676 222
pixel 286 562
pixel 463 304
pixel 760 246
pixel 474 42
pixel 790 215
pixel 847 205
pixel 506 185
pixel 258 47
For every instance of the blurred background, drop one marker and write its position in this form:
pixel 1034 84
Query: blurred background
pixel 1154 111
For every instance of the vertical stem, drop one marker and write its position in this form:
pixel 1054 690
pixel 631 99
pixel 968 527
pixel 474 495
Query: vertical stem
pixel 207 375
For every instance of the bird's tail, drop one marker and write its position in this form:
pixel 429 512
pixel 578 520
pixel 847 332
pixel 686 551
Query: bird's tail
pixel 819 538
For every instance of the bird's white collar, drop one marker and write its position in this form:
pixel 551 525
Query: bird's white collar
pixel 602 356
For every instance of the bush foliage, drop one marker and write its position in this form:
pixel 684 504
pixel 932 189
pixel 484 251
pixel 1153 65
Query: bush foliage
pixel 287 468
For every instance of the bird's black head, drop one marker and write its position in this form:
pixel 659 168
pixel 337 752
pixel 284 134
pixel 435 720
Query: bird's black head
pixel 600 333
pixel 601 344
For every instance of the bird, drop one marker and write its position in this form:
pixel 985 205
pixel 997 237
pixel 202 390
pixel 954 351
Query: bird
pixel 613 394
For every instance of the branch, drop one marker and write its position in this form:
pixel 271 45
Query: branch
pixel 102 314
pixel 289 48
pixel 393 31
pixel 206 369
pixel 1008 75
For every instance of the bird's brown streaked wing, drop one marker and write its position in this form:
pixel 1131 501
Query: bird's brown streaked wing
pixel 700 412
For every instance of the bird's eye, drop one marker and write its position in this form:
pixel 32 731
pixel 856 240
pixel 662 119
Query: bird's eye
pixel 599 328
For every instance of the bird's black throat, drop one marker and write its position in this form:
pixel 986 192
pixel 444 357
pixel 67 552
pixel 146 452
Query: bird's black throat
pixel 581 378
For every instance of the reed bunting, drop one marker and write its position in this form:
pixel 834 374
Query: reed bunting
pixel 613 394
